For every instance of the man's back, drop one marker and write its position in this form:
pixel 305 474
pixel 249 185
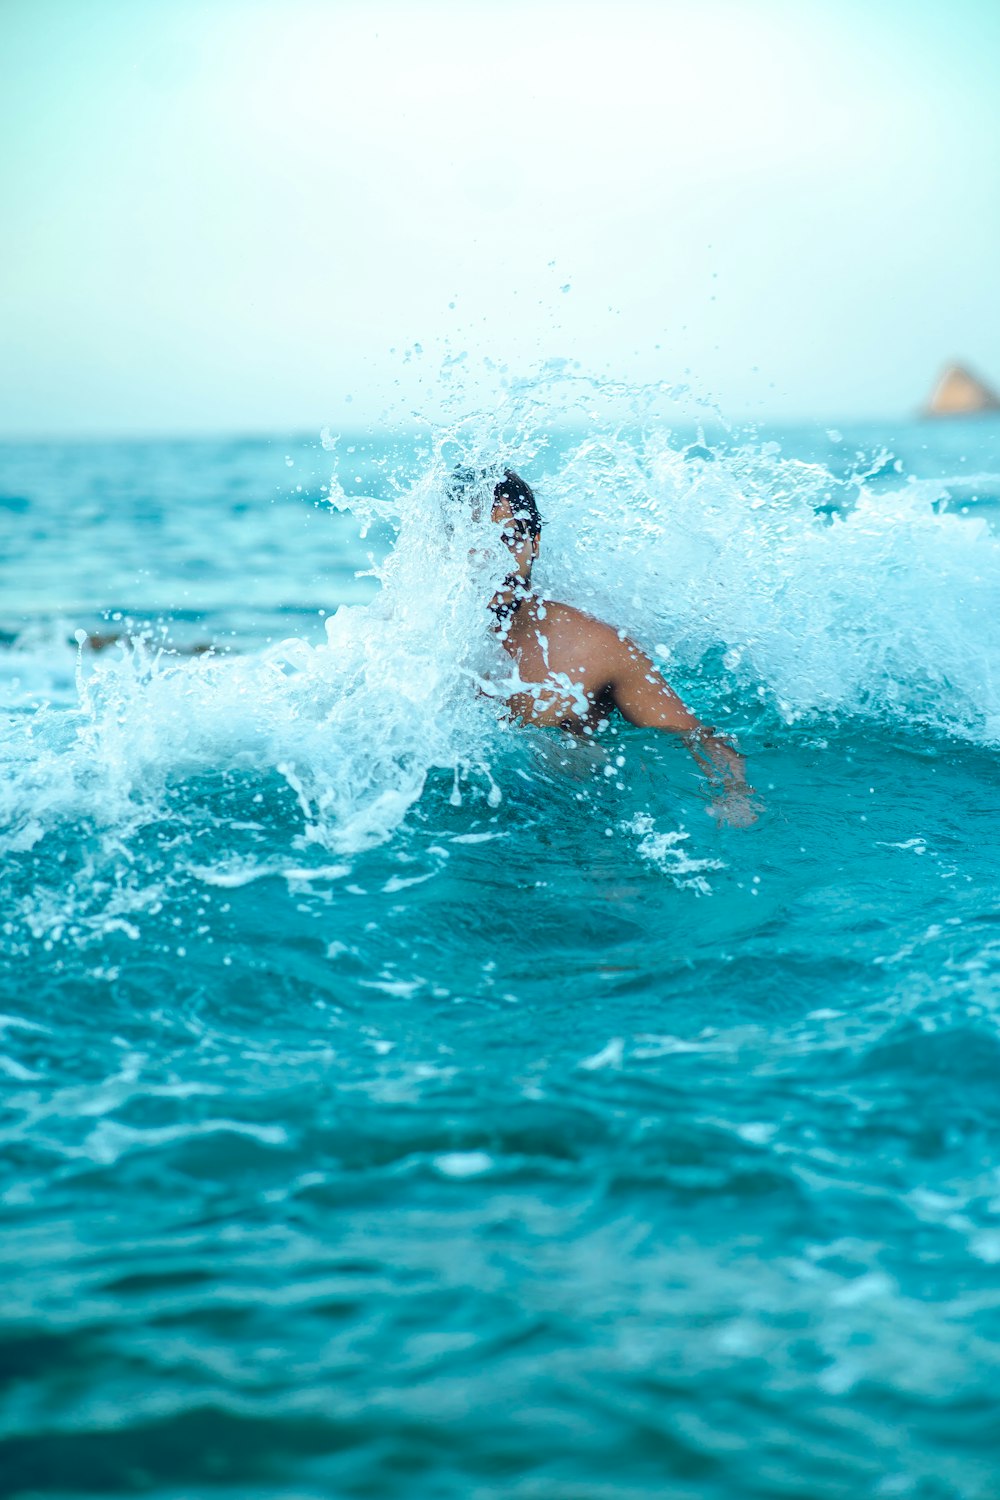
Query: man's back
pixel 567 662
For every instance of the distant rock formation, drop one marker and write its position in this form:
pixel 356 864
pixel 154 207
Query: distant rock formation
pixel 959 393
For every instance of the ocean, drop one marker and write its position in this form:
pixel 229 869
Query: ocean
pixel 399 1102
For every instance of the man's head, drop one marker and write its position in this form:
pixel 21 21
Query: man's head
pixel 515 512
pixel 512 494
pixel 470 487
pixel 513 508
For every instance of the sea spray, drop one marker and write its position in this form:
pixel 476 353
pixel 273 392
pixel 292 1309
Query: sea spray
pixel 353 724
pixel 773 582
pixel 765 585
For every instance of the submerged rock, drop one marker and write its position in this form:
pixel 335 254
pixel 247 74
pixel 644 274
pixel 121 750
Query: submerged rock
pixel 960 393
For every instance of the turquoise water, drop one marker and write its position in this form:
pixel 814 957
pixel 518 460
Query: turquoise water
pixel 399 1103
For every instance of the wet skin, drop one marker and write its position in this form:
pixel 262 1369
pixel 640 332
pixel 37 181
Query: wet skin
pixel 572 671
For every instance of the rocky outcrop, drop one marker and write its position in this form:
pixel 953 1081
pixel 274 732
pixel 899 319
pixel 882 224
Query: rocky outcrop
pixel 959 393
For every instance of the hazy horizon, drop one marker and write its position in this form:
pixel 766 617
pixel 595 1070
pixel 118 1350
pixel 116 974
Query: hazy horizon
pixel 686 423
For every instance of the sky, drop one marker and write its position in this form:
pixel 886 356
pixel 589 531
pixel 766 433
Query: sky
pixel 244 215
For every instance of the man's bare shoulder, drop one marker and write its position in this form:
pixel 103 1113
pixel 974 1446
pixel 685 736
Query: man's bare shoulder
pixel 566 618
pixel 593 642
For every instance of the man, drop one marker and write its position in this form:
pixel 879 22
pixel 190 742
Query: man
pixel 572 671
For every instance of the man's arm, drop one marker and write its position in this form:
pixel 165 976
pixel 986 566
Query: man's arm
pixel 643 698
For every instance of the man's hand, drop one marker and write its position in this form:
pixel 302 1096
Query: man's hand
pixel 737 810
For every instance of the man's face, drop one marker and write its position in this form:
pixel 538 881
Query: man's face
pixel 519 541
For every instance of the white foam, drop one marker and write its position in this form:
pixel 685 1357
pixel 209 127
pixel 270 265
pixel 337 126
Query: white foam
pixel 667 853
pixel 353 725
pixel 885 609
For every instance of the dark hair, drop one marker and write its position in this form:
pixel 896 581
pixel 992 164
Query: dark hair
pixel 522 500
pixel 511 488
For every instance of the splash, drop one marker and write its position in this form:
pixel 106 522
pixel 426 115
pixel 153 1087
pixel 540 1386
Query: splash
pixel 775 581
pixel 353 725
pixel 770 588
